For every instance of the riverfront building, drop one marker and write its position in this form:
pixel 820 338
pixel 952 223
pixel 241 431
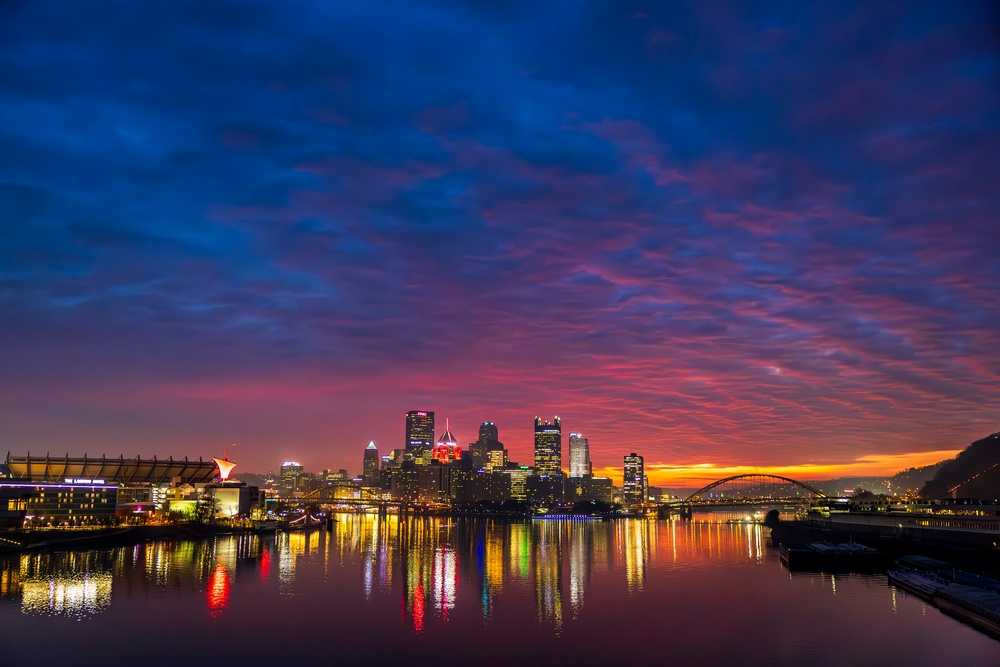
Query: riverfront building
pixel 76 502
pixel 65 490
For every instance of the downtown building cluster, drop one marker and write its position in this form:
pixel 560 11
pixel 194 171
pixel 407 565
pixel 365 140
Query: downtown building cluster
pixel 438 470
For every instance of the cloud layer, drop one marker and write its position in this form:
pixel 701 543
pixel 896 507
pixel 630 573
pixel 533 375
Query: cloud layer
pixel 746 236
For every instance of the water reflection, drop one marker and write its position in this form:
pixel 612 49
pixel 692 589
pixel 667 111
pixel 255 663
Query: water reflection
pixel 427 561
pixel 461 584
pixel 548 573
pixel 218 591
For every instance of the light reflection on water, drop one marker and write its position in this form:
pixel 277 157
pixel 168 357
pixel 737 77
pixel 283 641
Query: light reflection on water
pixel 385 588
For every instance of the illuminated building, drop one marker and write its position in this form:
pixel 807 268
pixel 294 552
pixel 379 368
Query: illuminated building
pixel 548 447
pixel 433 483
pixel 403 482
pixel 291 474
pixel 600 489
pixel 114 470
pixel 488 486
pixel 446 450
pixel 579 455
pixel 74 502
pixel 544 489
pixel 370 475
pixel 573 489
pixel 419 433
pixel 633 480
pixel 518 482
pixel 496 459
pixel 488 452
pixel 134 479
pixel 233 499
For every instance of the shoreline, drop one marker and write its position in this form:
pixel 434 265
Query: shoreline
pixel 24 541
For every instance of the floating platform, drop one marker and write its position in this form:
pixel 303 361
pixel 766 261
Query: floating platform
pixel 822 556
pixel 978 607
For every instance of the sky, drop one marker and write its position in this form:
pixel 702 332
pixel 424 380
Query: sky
pixel 725 237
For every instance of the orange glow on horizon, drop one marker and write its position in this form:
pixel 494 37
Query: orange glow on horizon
pixel 695 475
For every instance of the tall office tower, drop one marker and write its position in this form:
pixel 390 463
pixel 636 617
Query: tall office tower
pixel 633 480
pixel 488 431
pixel 291 473
pixel 548 447
pixel 488 452
pixel 579 455
pixel 419 433
pixel 369 475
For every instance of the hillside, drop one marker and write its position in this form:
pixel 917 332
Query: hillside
pixel 975 473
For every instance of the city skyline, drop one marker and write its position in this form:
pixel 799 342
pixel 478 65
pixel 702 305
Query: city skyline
pixel 726 238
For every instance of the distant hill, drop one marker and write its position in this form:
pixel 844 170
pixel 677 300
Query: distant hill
pixel 252 479
pixel 845 486
pixel 914 479
pixel 975 472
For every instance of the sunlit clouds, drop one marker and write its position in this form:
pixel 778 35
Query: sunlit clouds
pixel 743 238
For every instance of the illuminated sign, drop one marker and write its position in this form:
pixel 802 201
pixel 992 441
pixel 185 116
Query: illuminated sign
pixel 83 480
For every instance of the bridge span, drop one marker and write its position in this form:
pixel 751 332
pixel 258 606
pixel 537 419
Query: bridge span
pixel 737 491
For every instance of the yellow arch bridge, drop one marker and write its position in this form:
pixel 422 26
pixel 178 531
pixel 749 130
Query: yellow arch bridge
pixel 748 490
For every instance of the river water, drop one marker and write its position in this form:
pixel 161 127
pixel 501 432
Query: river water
pixel 450 591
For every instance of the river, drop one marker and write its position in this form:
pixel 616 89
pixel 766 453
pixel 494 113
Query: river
pixel 424 590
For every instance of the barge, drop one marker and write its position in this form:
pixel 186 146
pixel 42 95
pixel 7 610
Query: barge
pixel 824 556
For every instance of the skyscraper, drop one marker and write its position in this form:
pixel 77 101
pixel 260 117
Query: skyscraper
pixel 369 475
pixel 488 452
pixel 447 450
pixel 579 455
pixel 548 447
pixel 488 431
pixel 291 474
pixel 633 480
pixel 419 432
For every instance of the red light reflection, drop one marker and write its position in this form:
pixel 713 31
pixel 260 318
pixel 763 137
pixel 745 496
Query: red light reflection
pixel 265 566
pixel 218 591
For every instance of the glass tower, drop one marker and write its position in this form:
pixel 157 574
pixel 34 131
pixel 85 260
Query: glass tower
pixel 579 455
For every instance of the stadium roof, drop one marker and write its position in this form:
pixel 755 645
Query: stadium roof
pixel 121 470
